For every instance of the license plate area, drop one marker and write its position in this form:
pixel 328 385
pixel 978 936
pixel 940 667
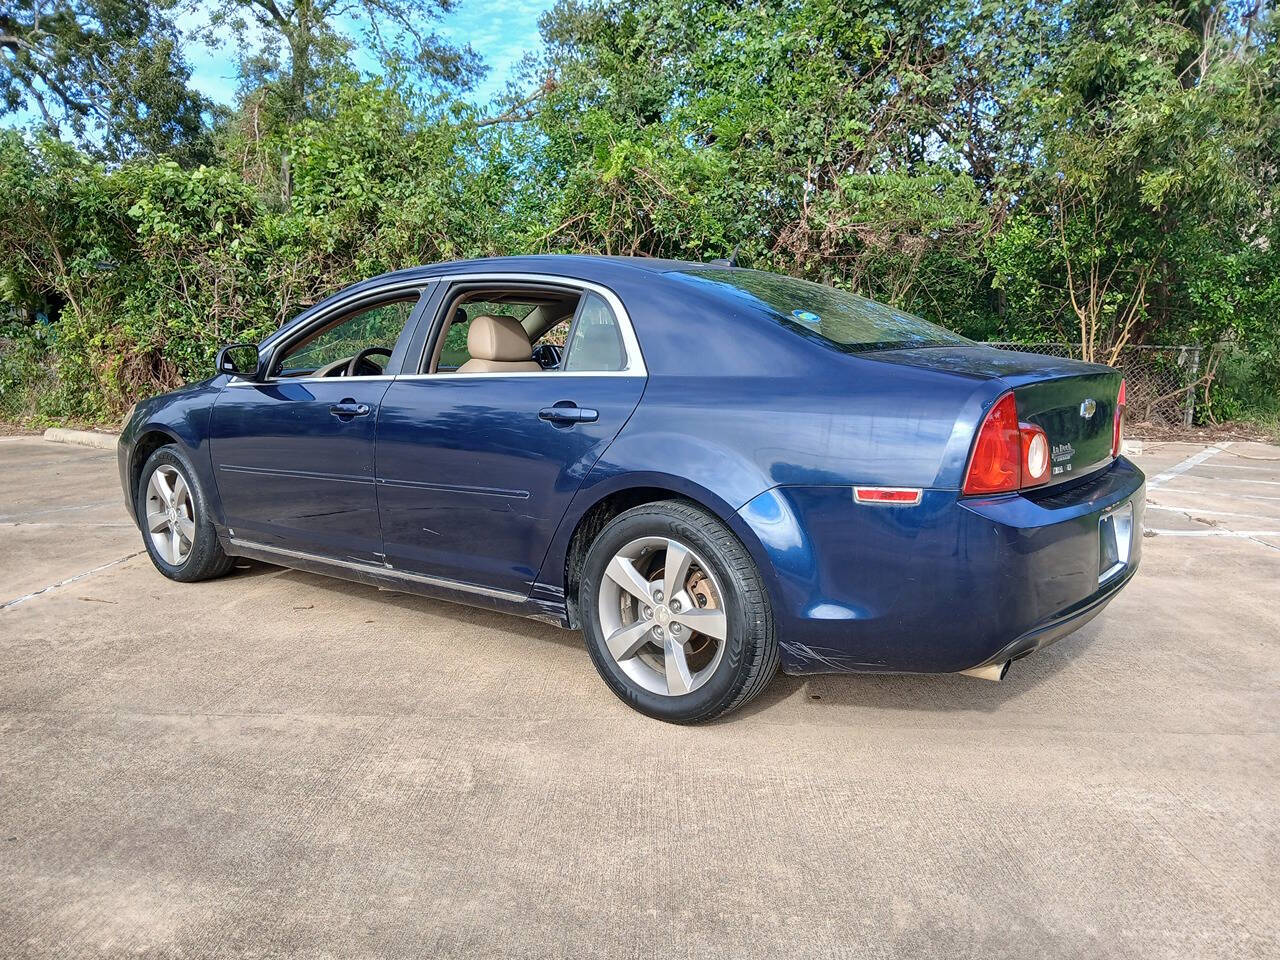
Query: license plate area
pixel 1115 537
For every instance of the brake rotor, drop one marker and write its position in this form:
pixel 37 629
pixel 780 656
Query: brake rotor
pixel 698 586
pixel 699 648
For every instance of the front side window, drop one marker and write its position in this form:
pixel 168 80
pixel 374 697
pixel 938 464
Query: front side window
pixel 844 320
pixel 378 326
pixel 595 342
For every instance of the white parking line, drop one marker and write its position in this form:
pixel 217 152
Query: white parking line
pixel 1183 491
pixel 61 523
pixel 1241 466
pixel 1245 534
pixel 1180 468
pixel 22 517
pixel 1188 510
pixel 1270 483
pixel 62 583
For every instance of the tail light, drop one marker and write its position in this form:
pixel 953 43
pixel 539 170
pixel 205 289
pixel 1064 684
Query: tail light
pixel 1035 455
pixel 1117 422
pixel 1007 455
pixel 996 463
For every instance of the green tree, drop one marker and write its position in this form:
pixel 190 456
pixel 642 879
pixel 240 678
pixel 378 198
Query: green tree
pixel 302 39
pixel 109 73
pixel 1153 198
pixel 1098 172
pixel 856 143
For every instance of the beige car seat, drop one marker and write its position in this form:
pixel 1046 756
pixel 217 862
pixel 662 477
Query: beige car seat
pixel 498 345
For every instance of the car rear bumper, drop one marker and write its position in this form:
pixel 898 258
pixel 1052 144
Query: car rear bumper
pixel 1061 624
pixel 945 585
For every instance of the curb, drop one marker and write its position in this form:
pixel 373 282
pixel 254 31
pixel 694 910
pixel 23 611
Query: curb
pixel 86 438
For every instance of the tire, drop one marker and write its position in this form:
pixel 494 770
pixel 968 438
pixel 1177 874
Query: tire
pixel 677 673
pixel 203 558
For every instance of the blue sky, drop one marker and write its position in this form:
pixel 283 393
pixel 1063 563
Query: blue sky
pixel 501 31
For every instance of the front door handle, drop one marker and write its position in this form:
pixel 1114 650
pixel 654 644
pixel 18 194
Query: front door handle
pixel 566 413
pixel 348 409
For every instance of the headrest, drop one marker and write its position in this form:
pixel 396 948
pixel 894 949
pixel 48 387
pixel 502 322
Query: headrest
pixel 497 338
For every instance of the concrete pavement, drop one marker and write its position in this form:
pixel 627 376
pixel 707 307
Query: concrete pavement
pixel 278 764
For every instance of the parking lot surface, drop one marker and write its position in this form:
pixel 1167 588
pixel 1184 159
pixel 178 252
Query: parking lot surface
pixel 278 764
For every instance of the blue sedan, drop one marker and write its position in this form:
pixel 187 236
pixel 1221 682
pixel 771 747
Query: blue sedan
pixel 710 471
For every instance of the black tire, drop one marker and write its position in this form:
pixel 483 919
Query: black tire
pixel 205 558
pixel 750 655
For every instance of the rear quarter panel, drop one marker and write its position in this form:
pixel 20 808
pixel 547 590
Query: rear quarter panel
pixel 938 587
pixel 723 440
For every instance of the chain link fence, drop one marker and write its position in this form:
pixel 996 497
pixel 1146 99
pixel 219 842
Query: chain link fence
pixel 1160 382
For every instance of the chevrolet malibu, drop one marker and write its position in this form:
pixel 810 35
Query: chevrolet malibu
pixel 709 471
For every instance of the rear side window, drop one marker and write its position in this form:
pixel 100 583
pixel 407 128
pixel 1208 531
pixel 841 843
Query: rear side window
pixel 844 320
pixel 455 353
pixel 595 342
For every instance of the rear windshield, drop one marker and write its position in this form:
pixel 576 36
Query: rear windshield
pixel 849 322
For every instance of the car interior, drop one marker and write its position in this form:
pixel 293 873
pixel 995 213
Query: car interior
pixel 356 345
pixel 489 330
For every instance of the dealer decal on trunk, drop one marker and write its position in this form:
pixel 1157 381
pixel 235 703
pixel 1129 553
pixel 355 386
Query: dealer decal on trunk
pixel 1060 452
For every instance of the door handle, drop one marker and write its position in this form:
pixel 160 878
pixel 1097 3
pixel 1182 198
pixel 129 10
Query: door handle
pixel 349 408
pixel 567 413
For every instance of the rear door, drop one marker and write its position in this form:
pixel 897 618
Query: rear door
pixel 475 471
pixel 293 456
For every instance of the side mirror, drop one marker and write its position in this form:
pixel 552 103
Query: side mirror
pixel 239 360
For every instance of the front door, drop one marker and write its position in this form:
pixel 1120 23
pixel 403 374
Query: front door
pixel 293 456
pixel 476 470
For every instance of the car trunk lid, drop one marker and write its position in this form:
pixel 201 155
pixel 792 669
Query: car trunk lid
pixel 1076 414
pixel 1073 402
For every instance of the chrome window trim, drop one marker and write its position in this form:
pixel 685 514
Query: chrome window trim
pixel 635 367
pixel 421 284
pixel 277 381
pixel 271 345
pixel 519 373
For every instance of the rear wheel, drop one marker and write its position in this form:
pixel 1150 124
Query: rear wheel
pixel 173 513
pixel 676 616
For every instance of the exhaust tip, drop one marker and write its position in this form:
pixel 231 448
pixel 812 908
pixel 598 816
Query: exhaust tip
pixel 992 671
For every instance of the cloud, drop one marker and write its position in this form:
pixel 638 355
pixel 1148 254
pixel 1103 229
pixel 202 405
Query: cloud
pixel 501 31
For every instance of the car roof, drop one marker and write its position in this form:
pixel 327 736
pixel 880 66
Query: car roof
pixel 550 262
pixel 602 269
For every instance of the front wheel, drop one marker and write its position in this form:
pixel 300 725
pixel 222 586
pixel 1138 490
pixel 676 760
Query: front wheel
pixel 174 516
pixel 676 616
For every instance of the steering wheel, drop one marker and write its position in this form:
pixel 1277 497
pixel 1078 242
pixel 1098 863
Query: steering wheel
pixel 548 355
pixel 353 368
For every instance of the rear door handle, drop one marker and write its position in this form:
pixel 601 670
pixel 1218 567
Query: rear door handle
pixel 568 413
pixel 349 408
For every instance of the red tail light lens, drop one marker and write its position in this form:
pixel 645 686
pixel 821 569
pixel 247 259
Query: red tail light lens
pixel 1117 422
pixel 996 463
pixel 1035 455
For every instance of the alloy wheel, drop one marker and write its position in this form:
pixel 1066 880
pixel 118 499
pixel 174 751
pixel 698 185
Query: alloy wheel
pixel 171 515
pixel 662 611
